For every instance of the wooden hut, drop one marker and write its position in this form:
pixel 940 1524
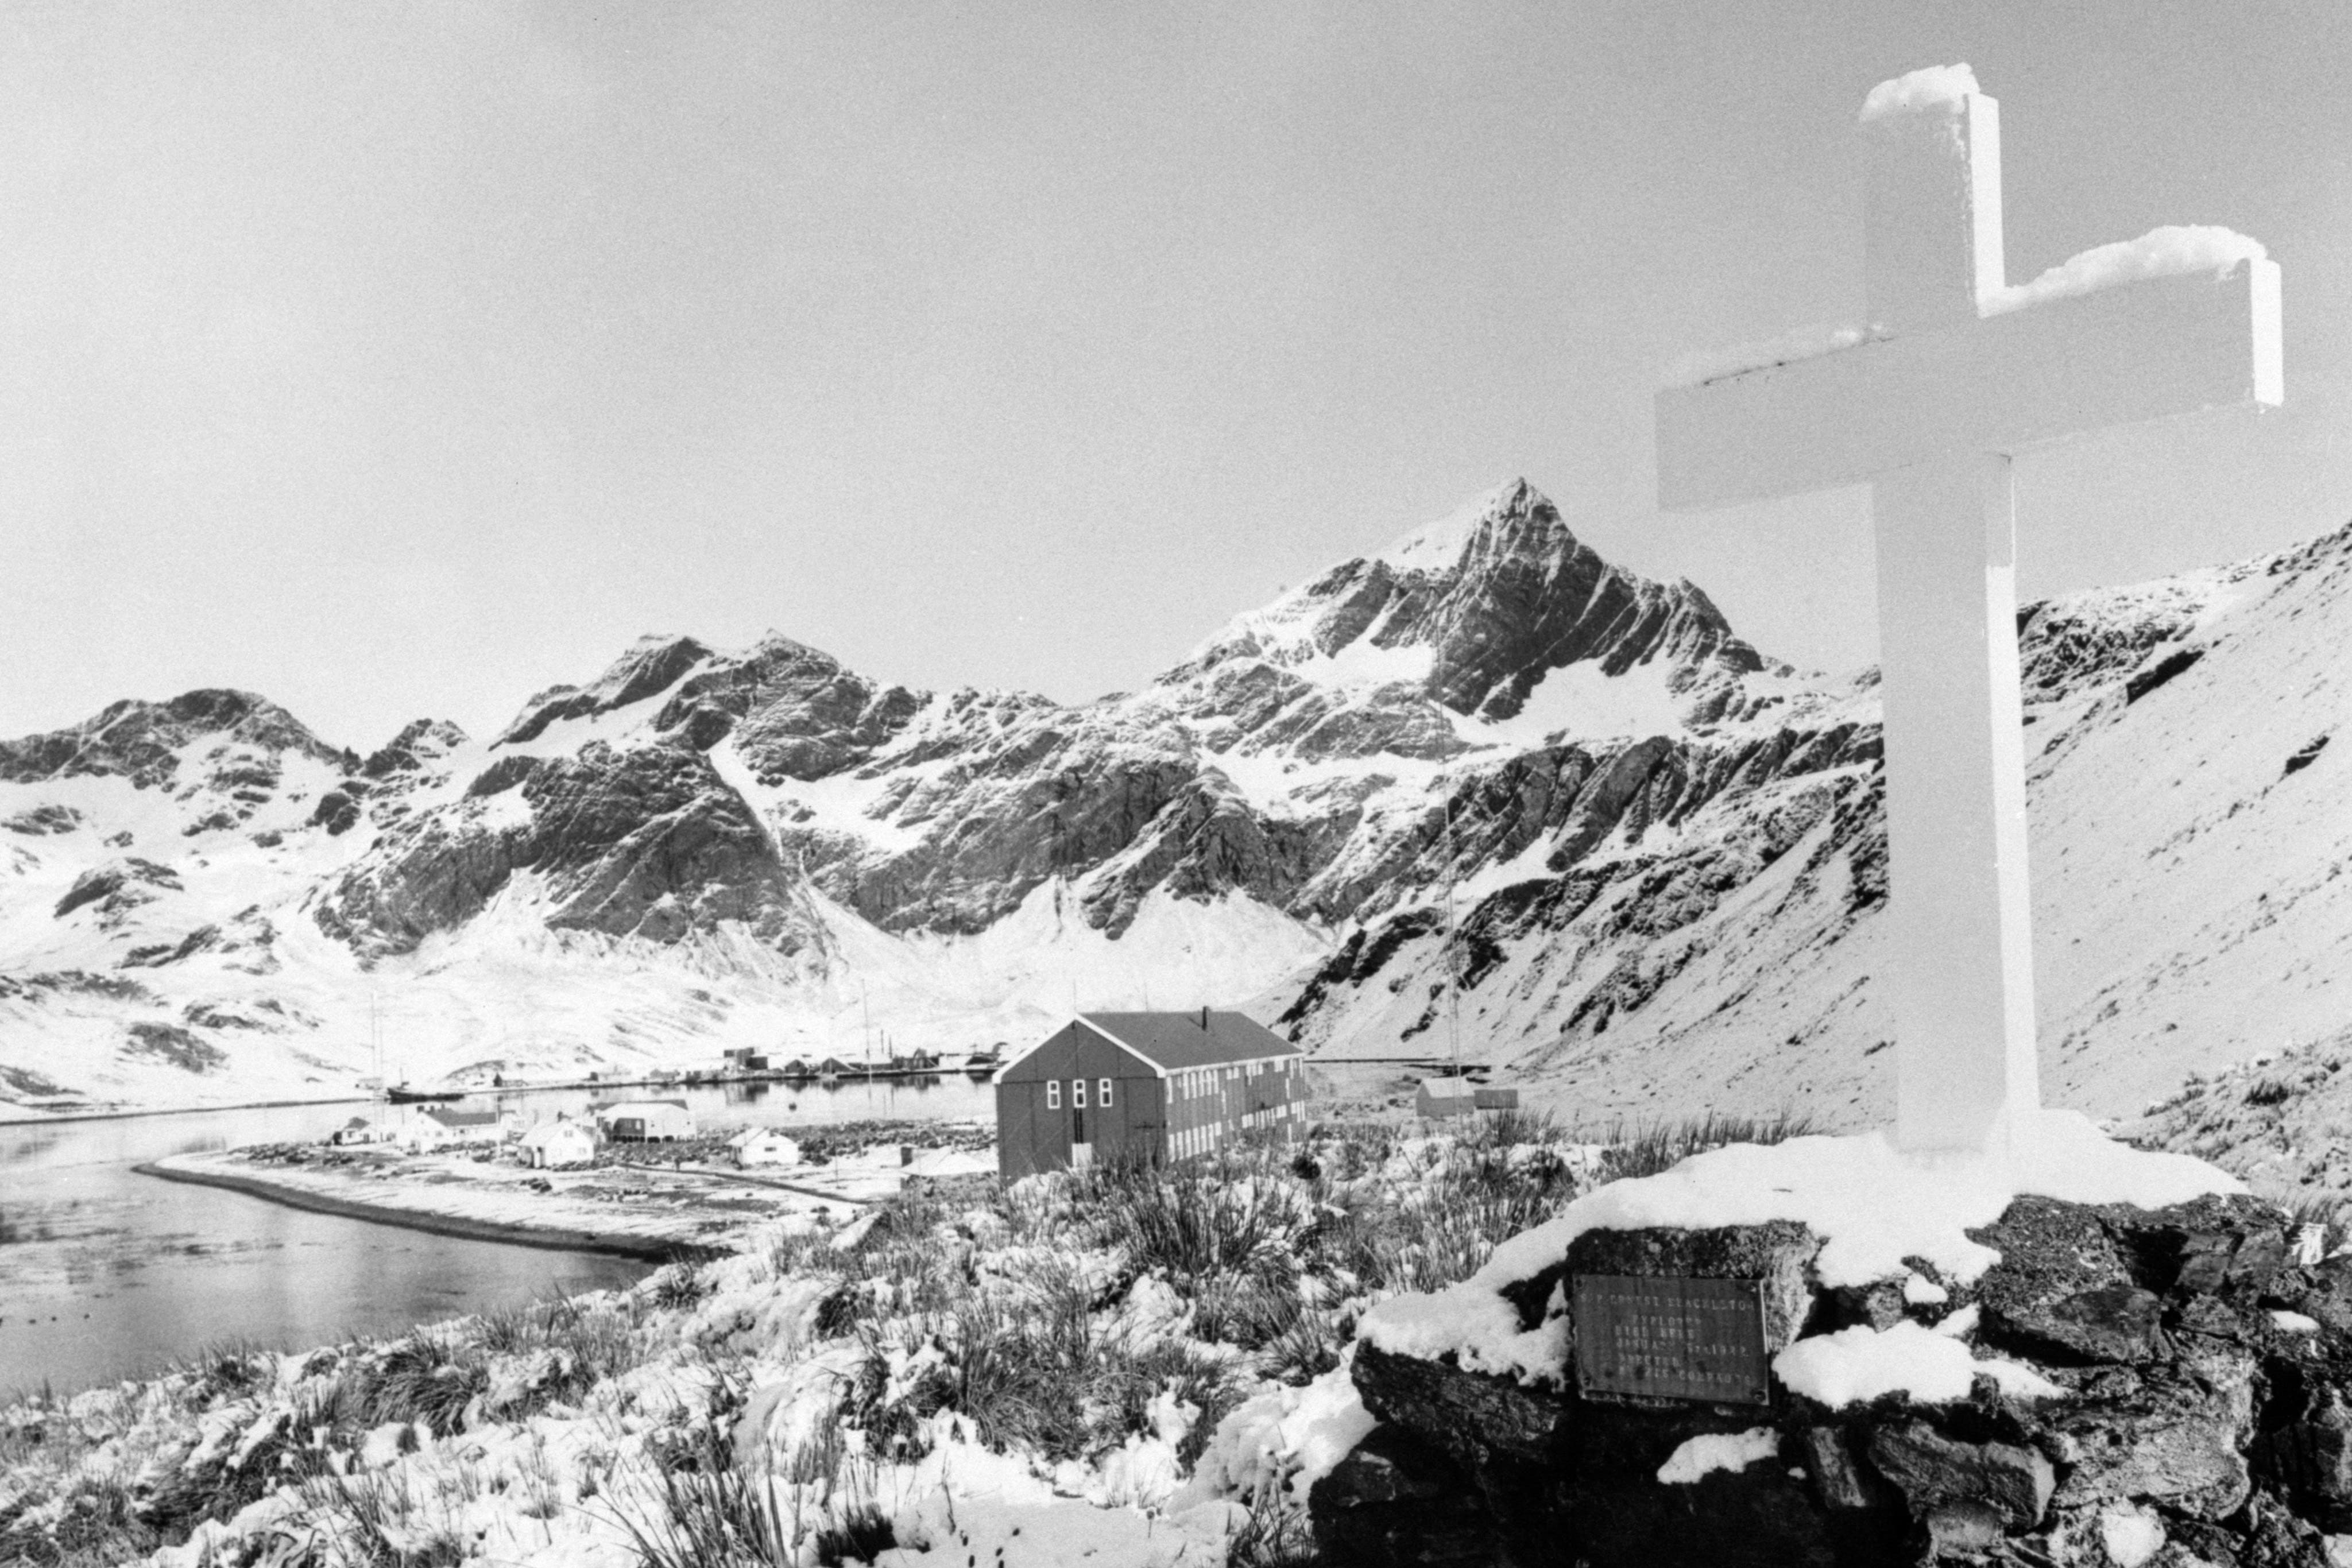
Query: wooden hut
pixel 1441 1097
pixel 1145 1086
pixel 647 1121
pixel 1448 1096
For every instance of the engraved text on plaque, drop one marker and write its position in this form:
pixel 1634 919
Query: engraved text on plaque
pixel 1672 1338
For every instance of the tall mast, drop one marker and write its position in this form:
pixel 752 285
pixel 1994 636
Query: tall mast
pixel 1452 953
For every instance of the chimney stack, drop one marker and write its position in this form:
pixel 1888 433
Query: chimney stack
pixel 1204 1020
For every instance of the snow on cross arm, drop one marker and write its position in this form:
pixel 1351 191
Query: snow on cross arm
pixel 1918 90
pixel 2171 250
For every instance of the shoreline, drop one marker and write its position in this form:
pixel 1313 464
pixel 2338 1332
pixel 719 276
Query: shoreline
pixel 883 1075
pixel 58 1119
pixel 546 1237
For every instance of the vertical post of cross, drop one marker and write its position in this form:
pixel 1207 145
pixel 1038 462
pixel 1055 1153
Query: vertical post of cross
pixel 1954 372
pixel 1961 979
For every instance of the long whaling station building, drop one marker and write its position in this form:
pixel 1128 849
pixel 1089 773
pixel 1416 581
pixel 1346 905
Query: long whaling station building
pixel 1145 1086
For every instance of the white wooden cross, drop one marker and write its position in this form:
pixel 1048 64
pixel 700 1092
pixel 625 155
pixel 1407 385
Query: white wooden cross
pixel 1949 381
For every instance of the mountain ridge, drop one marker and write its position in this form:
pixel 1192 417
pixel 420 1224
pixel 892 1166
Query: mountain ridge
pixel 1662 849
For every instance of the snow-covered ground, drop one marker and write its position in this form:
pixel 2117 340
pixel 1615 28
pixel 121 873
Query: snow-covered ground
pixel 1042 1377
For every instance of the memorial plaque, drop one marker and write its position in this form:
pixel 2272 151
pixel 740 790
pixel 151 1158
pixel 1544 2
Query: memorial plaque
pixel 1672 1338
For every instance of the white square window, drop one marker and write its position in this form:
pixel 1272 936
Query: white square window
pixel 1102 1093
pixel 1078 1093
pixel 1053 1095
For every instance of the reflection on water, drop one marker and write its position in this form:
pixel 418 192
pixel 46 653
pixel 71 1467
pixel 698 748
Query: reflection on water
pixel 105 1274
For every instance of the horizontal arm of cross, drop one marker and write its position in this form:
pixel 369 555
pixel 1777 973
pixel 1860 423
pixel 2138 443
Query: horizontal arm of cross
pixel 2120 355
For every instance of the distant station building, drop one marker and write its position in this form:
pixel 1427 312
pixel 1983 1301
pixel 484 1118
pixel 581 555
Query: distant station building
pixel 646 1121
pixel 551 1145
pixel 1439 1098
pixel 1145 1086
pixel 438 1127
pixel 745 1060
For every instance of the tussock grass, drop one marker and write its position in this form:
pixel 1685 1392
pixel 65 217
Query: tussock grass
pixel 2329 1213
pixel 1056 1318
pixel 1646 1148
pixel 377 1516
pixel 99 1526
pixel 718 1512
pixel 1275 1535
pixel 1230 1219
pixel 427 1377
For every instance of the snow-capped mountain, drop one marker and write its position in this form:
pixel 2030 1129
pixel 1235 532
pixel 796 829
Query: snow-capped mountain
pixel 1480 783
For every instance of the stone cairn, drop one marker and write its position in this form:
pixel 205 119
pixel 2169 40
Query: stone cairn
pixel 2202 1418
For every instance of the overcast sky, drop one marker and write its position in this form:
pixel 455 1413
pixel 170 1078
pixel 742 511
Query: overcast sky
pixel 399 360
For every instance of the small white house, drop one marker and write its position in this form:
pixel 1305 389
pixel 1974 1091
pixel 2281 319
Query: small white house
pixel 551 1145
pixel 419 1134
pixel 359 1130
pixel 764 1146
pixel 646 1121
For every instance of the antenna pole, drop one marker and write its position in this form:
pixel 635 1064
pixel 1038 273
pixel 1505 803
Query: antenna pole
pixel 1453 951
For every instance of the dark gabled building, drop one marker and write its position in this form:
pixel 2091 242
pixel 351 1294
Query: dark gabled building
pixel 1145 1086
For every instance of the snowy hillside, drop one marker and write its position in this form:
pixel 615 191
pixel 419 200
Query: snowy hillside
pixel 1661 851
pixel 2189 828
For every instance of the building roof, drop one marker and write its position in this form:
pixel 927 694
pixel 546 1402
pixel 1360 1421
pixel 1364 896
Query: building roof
pixel 629 1107
pixel 461 1118
pixel 1176 1042
pixel 549 1129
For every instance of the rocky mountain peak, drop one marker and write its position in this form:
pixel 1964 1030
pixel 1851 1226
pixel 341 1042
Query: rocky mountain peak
pixel 794 711
pixel 651 666
pixel 142 741
pixel 423 741
pixel 1511 516
pixel 1476 609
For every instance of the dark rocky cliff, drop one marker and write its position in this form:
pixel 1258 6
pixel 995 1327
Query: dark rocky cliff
pixel 969 801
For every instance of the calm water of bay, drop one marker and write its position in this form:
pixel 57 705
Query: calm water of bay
pixel 107 1274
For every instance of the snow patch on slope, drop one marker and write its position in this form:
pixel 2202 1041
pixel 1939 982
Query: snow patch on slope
pixel 1584 700
pixel 1440 546
pixel 1362 665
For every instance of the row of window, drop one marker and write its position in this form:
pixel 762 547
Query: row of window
pixel 1197 1141
pixel 1200 1081
pixel 1078 1093
pixel 1189 1085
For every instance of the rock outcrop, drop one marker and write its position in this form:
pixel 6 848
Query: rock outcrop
pixel 2192 1411
pixel 147 742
